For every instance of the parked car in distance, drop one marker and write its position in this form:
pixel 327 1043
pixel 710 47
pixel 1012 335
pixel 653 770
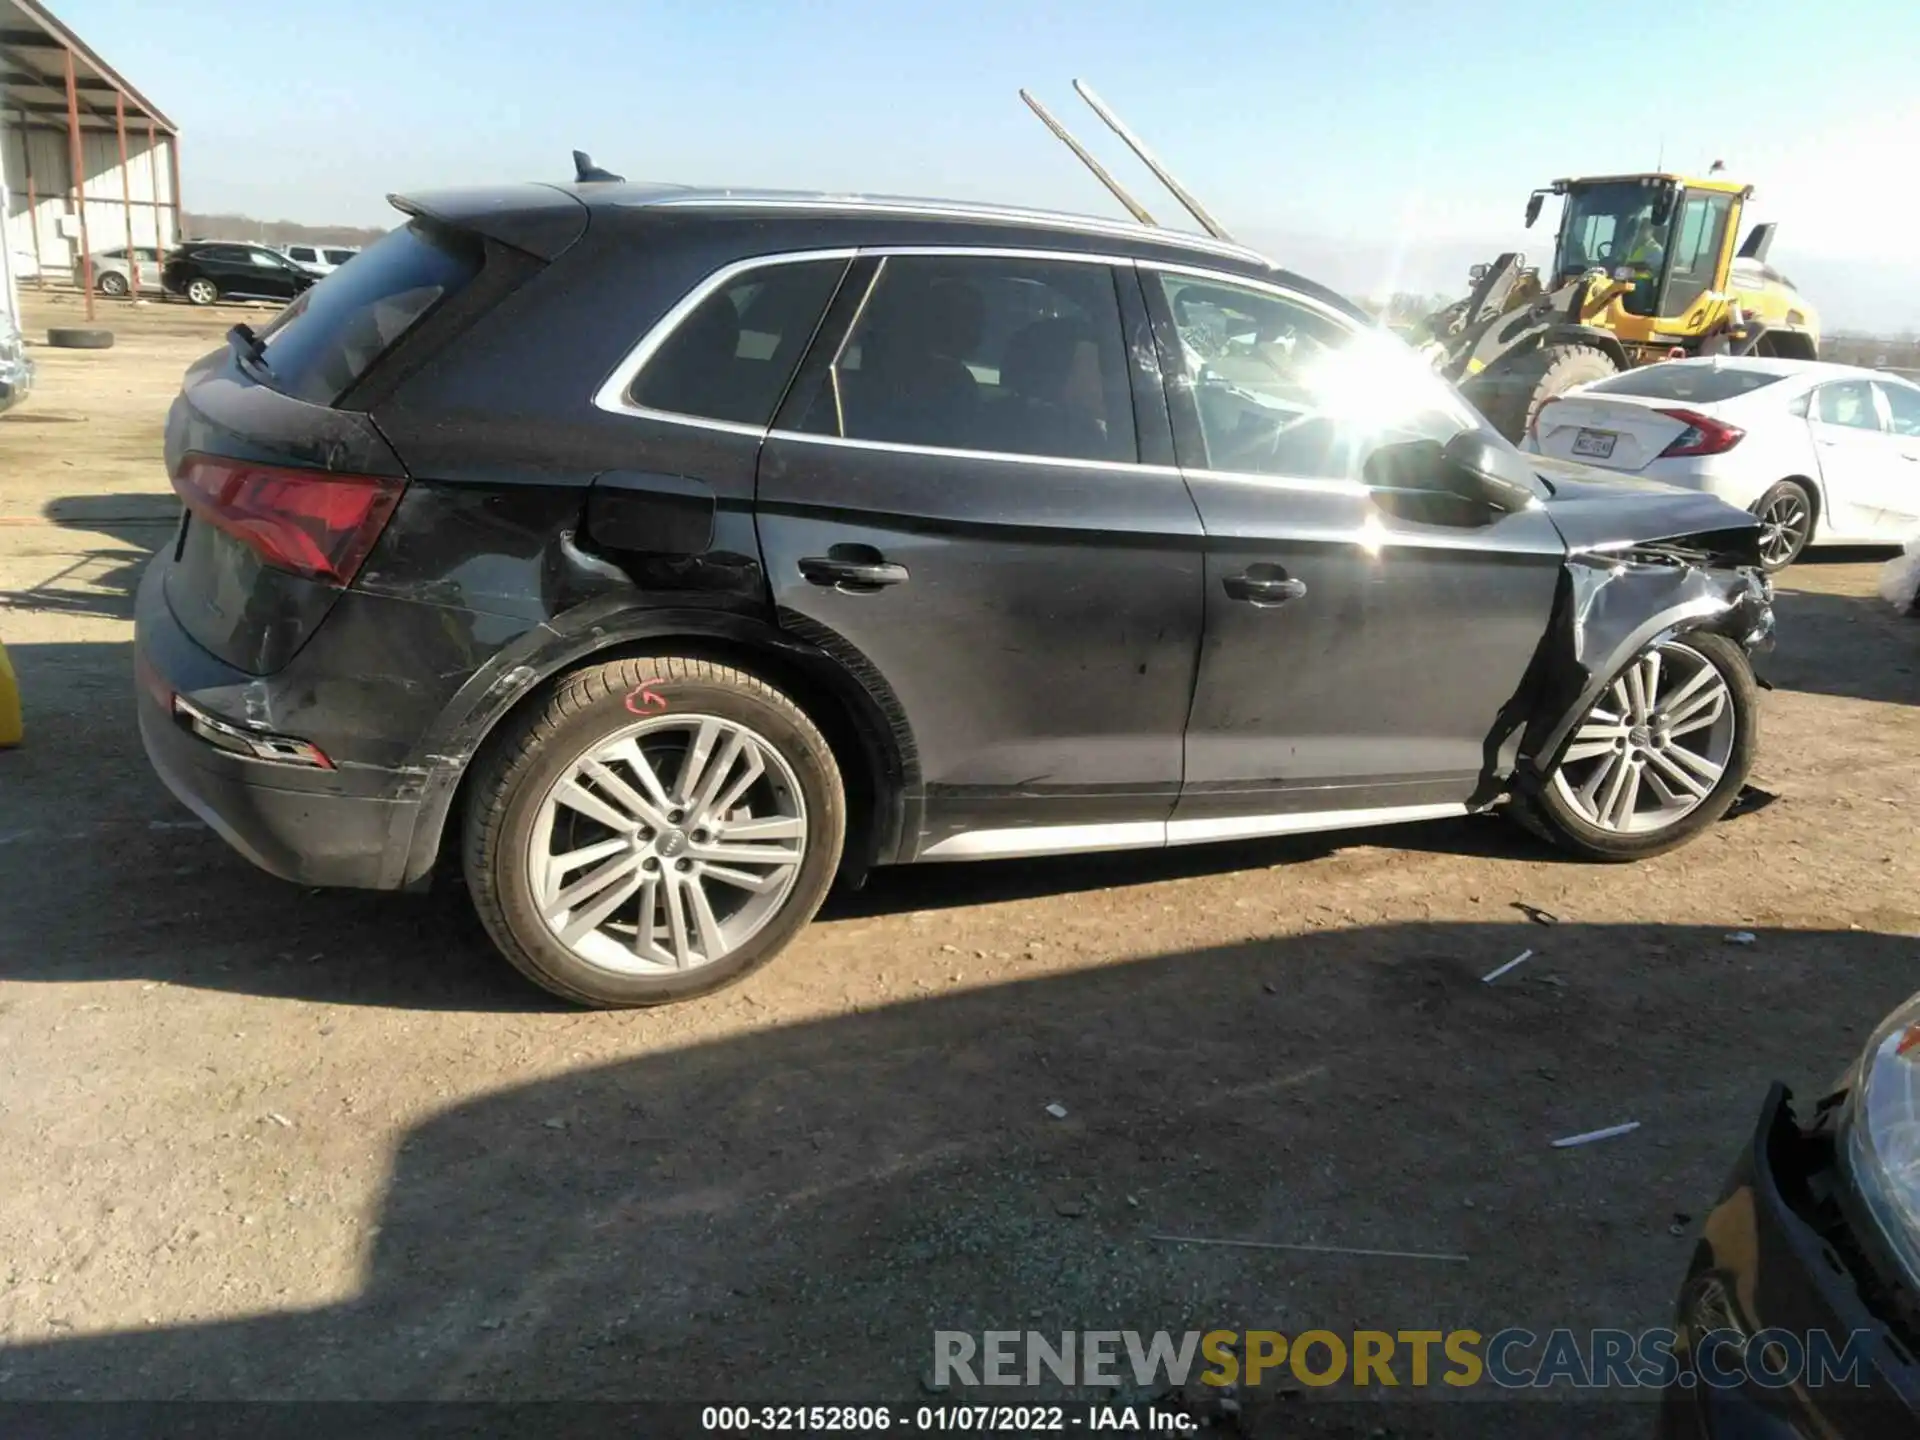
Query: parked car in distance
pixel 843 533
pixel 16 366
pixel 209 271
pixel 1798 1314
pixel 113 271
pixel 1823 454
pixel 320 259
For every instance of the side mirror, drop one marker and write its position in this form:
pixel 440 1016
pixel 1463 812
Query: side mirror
pixel 1534 202
pixel 1477 273
pixel 1479 469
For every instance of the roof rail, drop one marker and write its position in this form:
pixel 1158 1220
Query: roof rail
pixel 1160 172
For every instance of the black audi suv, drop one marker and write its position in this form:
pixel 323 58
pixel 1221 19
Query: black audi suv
pixel 656 555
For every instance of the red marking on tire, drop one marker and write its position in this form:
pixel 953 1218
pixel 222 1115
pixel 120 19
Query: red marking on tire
pixel 645 700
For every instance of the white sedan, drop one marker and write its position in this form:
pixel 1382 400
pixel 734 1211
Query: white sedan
pixel 1823 454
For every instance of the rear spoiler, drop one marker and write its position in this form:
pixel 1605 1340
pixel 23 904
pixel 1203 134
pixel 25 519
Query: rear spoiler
pixel 540 220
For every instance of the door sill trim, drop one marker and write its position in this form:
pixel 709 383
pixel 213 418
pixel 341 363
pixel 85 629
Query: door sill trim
pixel 1021 842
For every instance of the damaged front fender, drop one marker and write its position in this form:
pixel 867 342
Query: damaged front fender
pixel 1615 603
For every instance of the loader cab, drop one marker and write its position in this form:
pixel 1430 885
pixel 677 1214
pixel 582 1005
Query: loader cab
pixel 1668 236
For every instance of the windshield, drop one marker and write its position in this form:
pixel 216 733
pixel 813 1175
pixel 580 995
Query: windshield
pixel 1611 225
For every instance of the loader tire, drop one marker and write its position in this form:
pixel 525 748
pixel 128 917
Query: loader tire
pixel 1510 392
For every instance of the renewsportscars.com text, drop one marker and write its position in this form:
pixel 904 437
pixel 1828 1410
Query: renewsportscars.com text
pixel 1512 1358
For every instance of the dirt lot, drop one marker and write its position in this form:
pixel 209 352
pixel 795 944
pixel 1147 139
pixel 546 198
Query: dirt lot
pixel 264 1142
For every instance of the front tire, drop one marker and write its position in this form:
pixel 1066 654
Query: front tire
pixel 1786 524
pixel 201 291
pixel 1658 757
pixel 1511 390
pixel 113 283
pixel 660 828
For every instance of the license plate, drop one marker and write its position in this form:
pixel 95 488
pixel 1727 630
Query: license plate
pixel 1594 444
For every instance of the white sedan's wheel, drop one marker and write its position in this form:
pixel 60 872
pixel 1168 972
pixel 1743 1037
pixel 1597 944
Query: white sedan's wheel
pixel 1786 524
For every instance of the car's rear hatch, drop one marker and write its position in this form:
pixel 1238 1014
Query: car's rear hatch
pixel 286 482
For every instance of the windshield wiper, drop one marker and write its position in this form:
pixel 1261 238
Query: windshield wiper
pixel 249 348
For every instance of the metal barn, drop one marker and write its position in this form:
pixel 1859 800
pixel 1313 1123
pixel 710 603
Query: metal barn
pixel 87 163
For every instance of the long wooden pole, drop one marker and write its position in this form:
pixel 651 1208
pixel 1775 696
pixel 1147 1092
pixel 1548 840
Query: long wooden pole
pixel 33 202
pixel 153 187
pixel 77 161
pixel 126 191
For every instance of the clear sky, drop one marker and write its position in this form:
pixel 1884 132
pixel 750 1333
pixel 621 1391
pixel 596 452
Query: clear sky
pixel 1381 139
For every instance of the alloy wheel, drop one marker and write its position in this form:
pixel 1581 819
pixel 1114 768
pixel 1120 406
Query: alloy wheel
pixel 1653 747
pixel 668 845
pixel 1784 525
pixel 202 292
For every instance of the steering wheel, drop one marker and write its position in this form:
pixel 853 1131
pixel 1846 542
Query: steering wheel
pixel 1604 250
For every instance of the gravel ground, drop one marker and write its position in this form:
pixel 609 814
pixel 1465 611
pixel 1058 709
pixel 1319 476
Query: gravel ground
pixel 271 1143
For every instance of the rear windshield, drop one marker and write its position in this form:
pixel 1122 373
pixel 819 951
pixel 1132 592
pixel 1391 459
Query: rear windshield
pixel 327 339
pixel 1702 384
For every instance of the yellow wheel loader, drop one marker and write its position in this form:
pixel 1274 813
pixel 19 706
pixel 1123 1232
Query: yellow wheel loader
pixel 1644 269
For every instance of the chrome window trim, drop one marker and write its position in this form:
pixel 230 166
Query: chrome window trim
pixel 961 210
pixel 1018 842
pixel 1132 467
pixel 612 394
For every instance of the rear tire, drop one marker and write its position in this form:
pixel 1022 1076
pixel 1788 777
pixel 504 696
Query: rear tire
pixel 202 291
pixel 67 337
pixel 113 283
pixel 1786 518
pixel 1714 718
pixel 756 828
pixel 1511 391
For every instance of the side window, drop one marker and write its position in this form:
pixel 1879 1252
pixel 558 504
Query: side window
pixel 266 260
pixel 732 357
pixel 1015 356
pixel 1849 403
pixel 1283 389
pixel 1903 406
pixel 300 252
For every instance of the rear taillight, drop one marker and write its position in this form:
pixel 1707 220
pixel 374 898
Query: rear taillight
pixel 1703 436
pixel 313 523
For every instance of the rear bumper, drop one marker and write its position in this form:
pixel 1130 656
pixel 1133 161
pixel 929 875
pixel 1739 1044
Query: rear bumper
pixel 313 827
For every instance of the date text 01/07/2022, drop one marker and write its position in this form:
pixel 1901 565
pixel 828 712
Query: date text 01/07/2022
pixel 976 1419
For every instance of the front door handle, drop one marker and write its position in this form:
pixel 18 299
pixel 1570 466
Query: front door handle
pixel 853 575
pixel 1264 586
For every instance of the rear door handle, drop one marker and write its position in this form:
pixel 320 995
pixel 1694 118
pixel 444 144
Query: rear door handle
pixel 855 575
pixel 1265 586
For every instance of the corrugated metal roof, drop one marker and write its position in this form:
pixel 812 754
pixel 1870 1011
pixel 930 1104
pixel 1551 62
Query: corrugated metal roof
pixel 33 72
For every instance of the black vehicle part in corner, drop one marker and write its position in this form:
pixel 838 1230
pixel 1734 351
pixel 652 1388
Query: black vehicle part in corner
pixel 860 714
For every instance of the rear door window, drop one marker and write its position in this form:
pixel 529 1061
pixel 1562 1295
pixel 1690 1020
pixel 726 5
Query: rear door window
pixel 332 334
pixel 1848 403
pixel 986 353
pixel 731 357
pixel 1903 406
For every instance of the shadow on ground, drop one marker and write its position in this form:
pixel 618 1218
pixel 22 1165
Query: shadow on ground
pixel 1851 645
pixel 788 1215
pixel 102 580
